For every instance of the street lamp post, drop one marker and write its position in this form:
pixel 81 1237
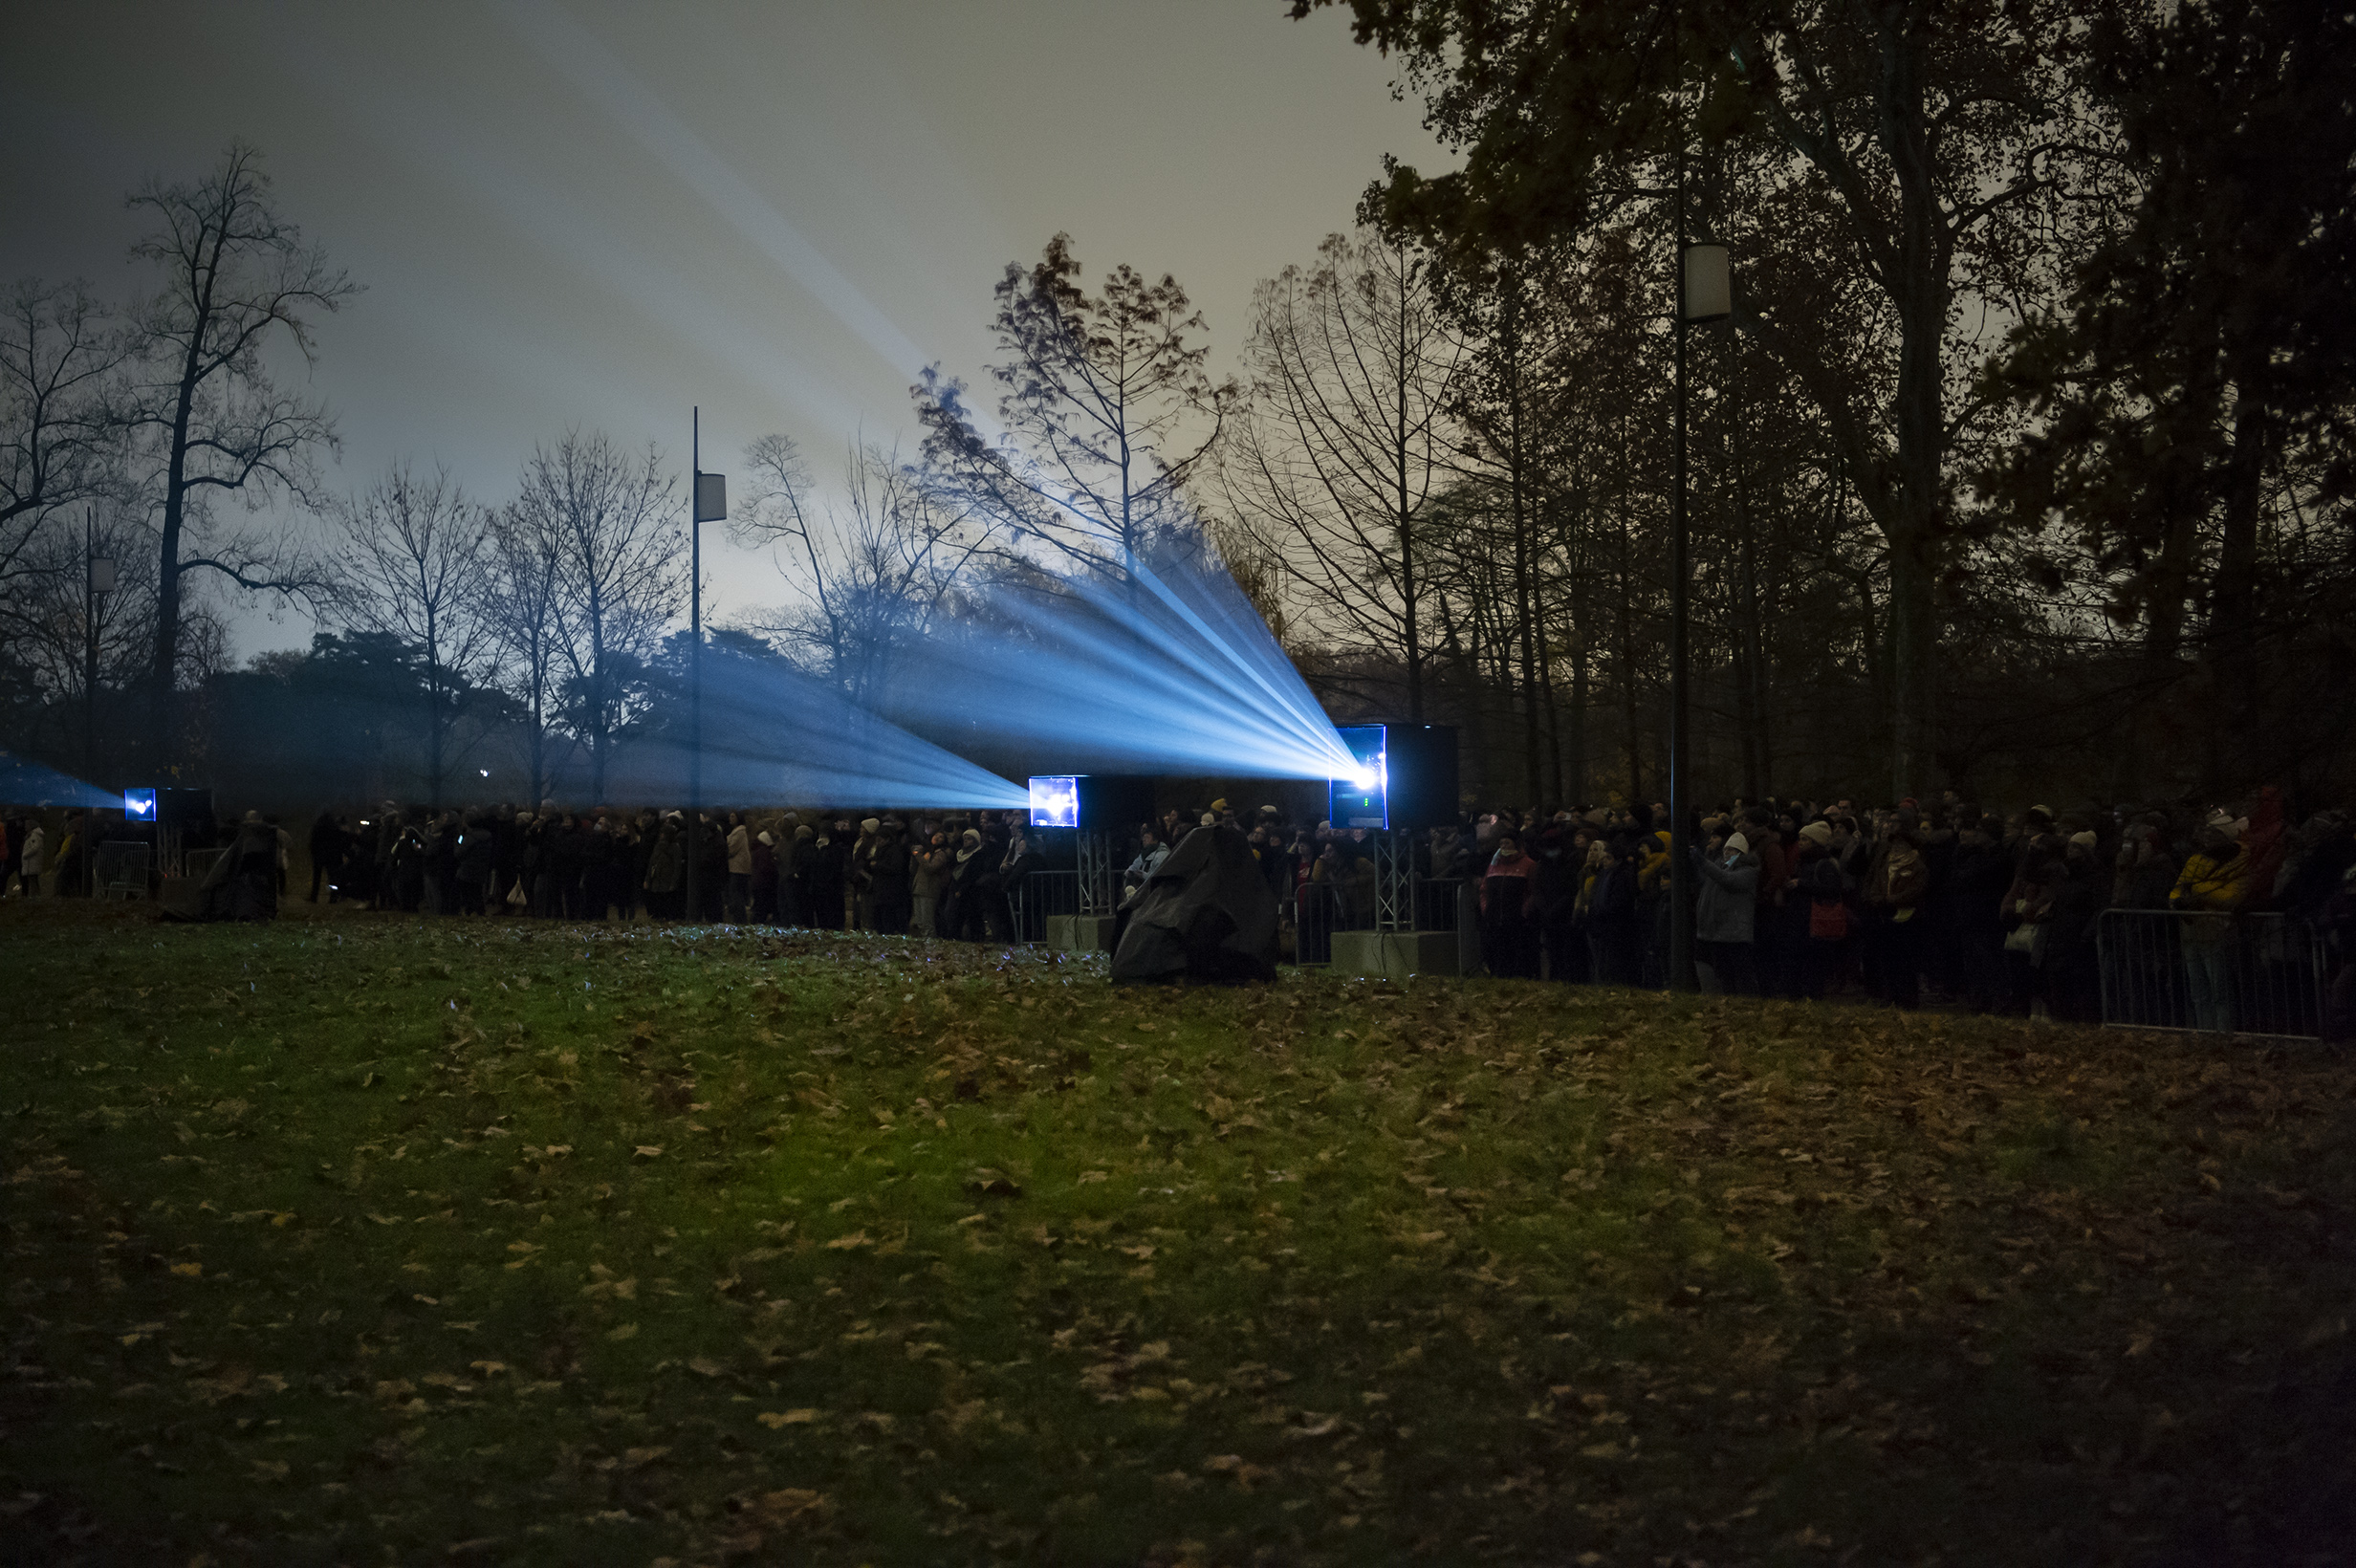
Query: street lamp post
pixel 98 581
pixel 707 503
pixel 1704 293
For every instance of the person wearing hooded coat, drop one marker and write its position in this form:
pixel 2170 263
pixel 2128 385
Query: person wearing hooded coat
pixel 1723 916
pixel 969 885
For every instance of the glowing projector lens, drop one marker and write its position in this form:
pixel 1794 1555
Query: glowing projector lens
pixel 1055 800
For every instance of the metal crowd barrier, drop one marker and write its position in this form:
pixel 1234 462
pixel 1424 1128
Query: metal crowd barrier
pixel 1317 910
pixel 2259 974
pixel 121 869
pixel 1039 895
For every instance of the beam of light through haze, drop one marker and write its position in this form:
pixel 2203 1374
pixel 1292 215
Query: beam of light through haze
pixel 26 783
pixel 774 737
pixel 1179 675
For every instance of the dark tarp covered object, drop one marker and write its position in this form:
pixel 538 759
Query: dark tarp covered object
pixel 242 883
pixel 1208 914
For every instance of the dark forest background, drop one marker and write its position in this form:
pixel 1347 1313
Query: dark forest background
pixel 2021 468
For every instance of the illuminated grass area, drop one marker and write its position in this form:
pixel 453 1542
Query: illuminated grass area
pixel 358 1239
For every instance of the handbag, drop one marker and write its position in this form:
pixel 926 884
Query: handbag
pixel 2021 938
pixel 515 895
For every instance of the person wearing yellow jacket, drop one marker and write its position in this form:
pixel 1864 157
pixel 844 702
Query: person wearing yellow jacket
pixel 2214 883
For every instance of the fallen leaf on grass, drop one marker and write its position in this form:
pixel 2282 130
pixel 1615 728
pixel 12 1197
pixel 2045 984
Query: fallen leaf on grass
pixel 790 1505
pixel 189 1270
pixel 627 1331
pixel 778 1420
pixel 1087 1176
pixel 650 1151
pixel 845 1244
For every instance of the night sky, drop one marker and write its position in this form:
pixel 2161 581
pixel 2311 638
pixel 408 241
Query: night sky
pixel 602 215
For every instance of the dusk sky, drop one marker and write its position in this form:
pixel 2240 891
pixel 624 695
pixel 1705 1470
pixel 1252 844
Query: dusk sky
pixel 602 214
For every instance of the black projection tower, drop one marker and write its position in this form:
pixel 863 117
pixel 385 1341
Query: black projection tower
pixel 1406 780
pixel 1405 783
pixel 1099 808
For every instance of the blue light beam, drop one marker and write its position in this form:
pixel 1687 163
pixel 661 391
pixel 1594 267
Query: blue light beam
pixel 24 783
pixel 773 736
pixel 1170 671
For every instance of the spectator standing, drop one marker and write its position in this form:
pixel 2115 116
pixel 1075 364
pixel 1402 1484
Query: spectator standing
pixel 1612 934
pixel 1724 914
pixel 929 881
pixel 2213 886
pixel 35 860
pixel 1896 878
pixel 764 878
pixel 739 868
pixel 890 873
pixel 969 888
pixel 477 853
pixel 1508 912
pixel 793 874
pixel 326 851
pixel 666 871
pixel 829 867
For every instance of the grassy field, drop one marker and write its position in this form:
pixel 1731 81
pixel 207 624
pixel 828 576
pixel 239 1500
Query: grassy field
pixel 363 1240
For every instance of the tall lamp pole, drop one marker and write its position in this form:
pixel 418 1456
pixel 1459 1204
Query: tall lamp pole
pixel 98 581
pixel 1704 293
pixel 707 503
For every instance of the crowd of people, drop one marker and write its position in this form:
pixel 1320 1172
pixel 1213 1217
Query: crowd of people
pixel 1800 899
pixel 951 877
pixel 1936 897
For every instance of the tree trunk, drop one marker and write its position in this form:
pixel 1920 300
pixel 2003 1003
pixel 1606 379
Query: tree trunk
pixel 1918 414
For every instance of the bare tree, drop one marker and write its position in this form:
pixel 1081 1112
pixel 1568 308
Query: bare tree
pixel 239 277
pixel 519 604
pixel 412 567
pixel 609 522
pixel 1105 402
pixel 55 352
pixel 71 646
pixel 879 570
pixel 1350 370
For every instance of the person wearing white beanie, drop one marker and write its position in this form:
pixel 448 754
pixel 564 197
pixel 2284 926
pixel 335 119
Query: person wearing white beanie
pixel 1725 916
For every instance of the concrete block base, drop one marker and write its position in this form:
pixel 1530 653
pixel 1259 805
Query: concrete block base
pixel 1080 933
pixel 1394 955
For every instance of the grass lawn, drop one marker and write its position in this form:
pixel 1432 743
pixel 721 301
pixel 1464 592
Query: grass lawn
pixel 361 1239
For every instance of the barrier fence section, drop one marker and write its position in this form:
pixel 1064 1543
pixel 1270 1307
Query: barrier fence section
pixel 1039 895
pixel 2259 973
pixel 1320 908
